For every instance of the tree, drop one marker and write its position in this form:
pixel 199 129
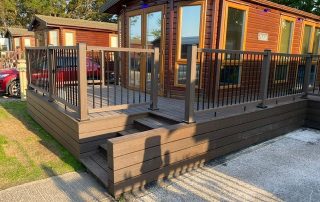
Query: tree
pixel 312 6
pixel 88 10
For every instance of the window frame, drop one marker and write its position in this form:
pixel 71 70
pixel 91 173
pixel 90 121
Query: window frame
pixel 178 59
pixel 317 26
pixel 286 74
pixel 24 41
pixel 65 31
pixel 311 40
pixel 293 20
pixel 229 62
pixel 58 36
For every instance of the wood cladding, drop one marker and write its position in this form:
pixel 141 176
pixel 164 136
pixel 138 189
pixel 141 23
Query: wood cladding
pixel 259 21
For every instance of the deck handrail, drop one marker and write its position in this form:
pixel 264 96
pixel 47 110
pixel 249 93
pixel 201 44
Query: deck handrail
pixel 216 77
pixel 62 74
pixel 111 49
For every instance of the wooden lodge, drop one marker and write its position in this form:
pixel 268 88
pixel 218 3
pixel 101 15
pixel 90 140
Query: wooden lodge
pixel 19 38
pixel 173 97
pixel 247 25
pixel 58 31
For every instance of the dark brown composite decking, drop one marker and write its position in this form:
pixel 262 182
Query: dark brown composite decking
pixel 130 161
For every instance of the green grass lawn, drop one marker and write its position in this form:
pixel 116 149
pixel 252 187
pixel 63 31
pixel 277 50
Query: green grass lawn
pixel 27 151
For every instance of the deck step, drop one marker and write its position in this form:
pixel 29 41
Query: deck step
pixel 152 122
pixel 103 149
pixel 128 132
pixel 97 165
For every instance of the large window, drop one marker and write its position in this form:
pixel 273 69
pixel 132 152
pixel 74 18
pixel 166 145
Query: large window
pixel 69 39
pixel 286 34
pixel 235 36
pixel 235 29
pixel 27 42
pixel 307 36
pixel 53 38
pixel 316 42
pixel 189 33
pixel 17 43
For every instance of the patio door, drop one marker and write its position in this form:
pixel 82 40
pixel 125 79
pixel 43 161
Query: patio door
pixel 146 30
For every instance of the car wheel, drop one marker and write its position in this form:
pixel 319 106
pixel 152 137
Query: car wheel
pixel 14 88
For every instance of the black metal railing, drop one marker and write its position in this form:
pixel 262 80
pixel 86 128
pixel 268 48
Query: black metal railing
pixel 120 76
pixel 220 78
pixel 227 78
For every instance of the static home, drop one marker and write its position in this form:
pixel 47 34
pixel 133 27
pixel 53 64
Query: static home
pixel 19 38
pixel 58 31
pixel 232 73
pixel 247 25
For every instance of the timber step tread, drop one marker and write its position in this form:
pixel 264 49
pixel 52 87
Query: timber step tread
pixel 128 132
pixel 103 147
pixel 152 122
pixel 97 165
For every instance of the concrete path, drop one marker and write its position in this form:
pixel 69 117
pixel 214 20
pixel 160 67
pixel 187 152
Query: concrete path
pixel 67 187
pixel 283 169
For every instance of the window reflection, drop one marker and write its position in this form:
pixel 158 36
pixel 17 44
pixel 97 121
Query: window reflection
pixel 190 28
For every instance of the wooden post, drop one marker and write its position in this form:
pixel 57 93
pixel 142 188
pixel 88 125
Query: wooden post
pixel 154 80
pixel 50 74
pixel 82 81
pixel 190 84
pixel 28 68
pixel 102 72
pixel 265 71
pixel 306 81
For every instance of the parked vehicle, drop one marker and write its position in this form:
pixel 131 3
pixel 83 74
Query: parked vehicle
pixel 9 82
pixel 65 71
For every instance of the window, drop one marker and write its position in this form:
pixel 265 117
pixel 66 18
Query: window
pixel 316 42
pixel 229 75
pixel 27 42
pixel 307 35
pixel 16 43
pixel 286 34
pixel 281 73
pixel 53 38
pixel 190 24
pixel 234 39
pixel 235 29
pixel 114 41
pixel 69 38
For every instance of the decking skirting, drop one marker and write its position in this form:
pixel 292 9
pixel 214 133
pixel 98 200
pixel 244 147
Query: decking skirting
pixel 136 160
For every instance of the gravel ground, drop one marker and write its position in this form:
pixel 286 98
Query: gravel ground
pixel 283 169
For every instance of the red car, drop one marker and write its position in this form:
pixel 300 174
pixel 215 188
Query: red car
pixel 9 82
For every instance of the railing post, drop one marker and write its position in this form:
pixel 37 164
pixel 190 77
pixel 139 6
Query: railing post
pixel 190 84
pixel 265 71
pixel 28 68
pixel 307 74
pixel 50 73
pixel 82 81
pixel 102 70
pixel 154 80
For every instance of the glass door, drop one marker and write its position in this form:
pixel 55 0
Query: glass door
pixel 145 31
pixel 153 40
pixel 135 41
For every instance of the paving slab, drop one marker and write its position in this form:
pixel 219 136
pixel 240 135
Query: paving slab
pixel 68 187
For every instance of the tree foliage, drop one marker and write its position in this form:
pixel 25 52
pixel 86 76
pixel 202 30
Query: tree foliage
pixel 311 6
pixel 21 12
